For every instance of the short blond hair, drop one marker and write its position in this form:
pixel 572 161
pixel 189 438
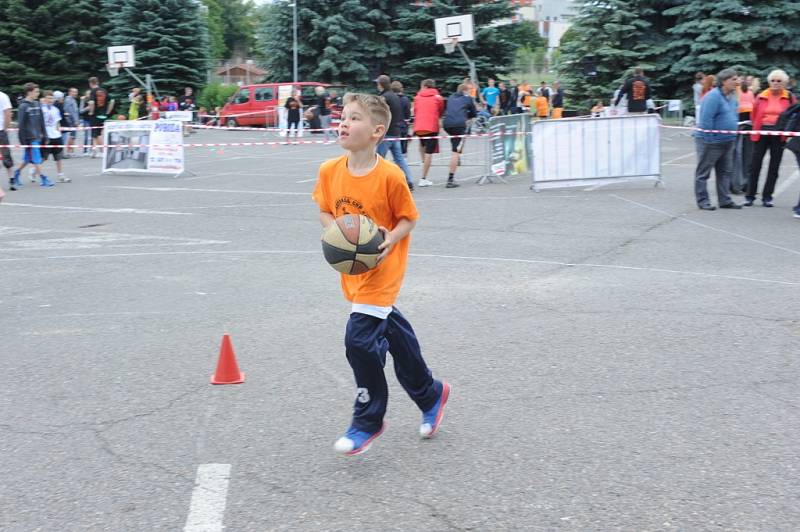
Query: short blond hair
pixel 375 106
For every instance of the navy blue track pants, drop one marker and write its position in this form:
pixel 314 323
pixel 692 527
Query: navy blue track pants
pixel 366 341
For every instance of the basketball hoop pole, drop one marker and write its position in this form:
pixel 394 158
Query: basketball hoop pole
pixel 473 74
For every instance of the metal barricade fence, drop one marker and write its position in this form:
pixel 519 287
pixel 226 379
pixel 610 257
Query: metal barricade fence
pixel 508 149
pixel 595 151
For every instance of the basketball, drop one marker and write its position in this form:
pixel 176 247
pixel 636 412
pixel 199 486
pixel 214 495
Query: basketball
pixel 350 244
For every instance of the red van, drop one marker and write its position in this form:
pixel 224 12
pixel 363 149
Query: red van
pixel 256 105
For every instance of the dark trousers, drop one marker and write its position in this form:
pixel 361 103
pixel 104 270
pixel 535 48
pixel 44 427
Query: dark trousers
pixel 775 146
pixel 717 156
pixel 797 155
pixel 366 342
pixel 743 161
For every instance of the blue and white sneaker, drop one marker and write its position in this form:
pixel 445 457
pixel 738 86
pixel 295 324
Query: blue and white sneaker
pixel 15 180
pixel 432 419
pixel 356 441
pixel 45 181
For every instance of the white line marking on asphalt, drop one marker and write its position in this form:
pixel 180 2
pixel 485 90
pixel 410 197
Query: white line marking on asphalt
pixel 786 183
pixel 306 180
pixel 98 209
pixel 421 255
pixel 684 156
pixel 209 497
pixel 214 190
pixel 705 226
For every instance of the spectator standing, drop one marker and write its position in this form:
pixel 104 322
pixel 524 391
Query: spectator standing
pixel 405 103
pixel 513 97
pixel 428 108
pixel 390 141
pixel 504 99
pixel 637 90
pixel 544 90
pixel 719 111
pixel 83 111
pixel 708 85
pixel 767 109
pixel 71 119
pixel 523 98
pixel 324 112
pixel 598 109
pixel 542 105
pixel 136 107
pixel 100 107
pixel 557 100
pixel 52 125
pixel 697 91
pixel 31 133
pixel 743 151
pixel 294 113
pixel 459 109
pixel 490 96
pixel 5 121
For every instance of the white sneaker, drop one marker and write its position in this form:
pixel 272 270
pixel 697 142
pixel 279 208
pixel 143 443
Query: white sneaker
pixel 32 175
pixel 425 183
pixel 64 179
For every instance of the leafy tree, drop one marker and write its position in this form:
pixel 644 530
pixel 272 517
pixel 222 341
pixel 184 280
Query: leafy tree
pixel 238 27
pixel 524 34
pixel 170 41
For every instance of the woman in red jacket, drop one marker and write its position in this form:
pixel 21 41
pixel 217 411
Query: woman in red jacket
pixel 768 106
pixel 428 109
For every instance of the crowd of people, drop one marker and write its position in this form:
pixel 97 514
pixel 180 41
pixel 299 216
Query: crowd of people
pixel 726 104
pixel 49 123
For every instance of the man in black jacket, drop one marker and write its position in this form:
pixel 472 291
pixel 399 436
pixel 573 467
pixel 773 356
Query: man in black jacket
pixel 638 90
pixel 31 133
pixel 395 128
pixel 460 109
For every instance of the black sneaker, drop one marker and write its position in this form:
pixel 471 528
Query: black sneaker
pixel 767 203
pixel 748 203
pixel 706 207
pixel 730 206
pixel 451 184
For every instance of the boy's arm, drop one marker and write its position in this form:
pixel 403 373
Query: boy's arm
pixel 390 238
pixel 326 219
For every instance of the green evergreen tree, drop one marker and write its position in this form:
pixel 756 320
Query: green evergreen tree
pixel 610 38
pixel 56 43
pixel 238 27
pixel 416 56
pixel 755 38
pixel 216 30
pixel 170 40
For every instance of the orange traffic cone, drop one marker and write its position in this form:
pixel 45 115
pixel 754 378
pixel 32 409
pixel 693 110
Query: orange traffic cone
pixel 227 368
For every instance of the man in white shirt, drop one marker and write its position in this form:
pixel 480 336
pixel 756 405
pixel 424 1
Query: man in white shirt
pixel 5 121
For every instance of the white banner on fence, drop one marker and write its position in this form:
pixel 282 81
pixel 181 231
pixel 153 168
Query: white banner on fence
pixel 574 152
pixel 143 146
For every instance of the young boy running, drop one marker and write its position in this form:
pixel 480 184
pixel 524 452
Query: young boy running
pixel 31 132
pixel 52 124
pixel 360 182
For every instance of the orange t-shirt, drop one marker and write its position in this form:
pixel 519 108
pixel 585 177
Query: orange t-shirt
pixel 383 196
pixel 542 107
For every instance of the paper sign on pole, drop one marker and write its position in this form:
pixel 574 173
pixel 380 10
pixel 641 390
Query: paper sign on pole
pixel 673 105
pixel 143 146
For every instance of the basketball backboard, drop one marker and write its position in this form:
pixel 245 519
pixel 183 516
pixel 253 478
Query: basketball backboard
pixel 459 27
pixel 123 56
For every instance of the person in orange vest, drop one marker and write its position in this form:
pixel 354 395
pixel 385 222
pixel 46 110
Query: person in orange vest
pixel 542 105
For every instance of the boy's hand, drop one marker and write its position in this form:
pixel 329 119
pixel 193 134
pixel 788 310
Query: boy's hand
pixel 387 245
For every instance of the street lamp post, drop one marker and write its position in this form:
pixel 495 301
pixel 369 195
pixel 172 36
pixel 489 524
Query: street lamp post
pixel 294 40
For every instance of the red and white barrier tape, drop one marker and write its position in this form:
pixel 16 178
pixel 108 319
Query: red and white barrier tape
pixel 739 132
pixel 263 143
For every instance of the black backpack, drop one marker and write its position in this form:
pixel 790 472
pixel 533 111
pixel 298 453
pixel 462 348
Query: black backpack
pixel 789 120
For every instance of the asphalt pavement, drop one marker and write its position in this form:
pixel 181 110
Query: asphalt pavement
pixel 620 360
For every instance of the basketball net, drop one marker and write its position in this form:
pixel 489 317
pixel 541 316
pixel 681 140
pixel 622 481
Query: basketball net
pixel 450 47
pixel 114 68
